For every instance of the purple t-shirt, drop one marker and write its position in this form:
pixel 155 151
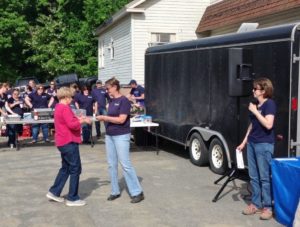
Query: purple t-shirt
pixel 53 93
pixel 137 92
pixel 85 102
pixel 18 109
pixel 3 99
pixel 260 134
pixel 100 95
pixel 39 101
pixel 116 107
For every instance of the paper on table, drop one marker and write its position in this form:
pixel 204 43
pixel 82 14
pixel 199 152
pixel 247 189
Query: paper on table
pixel 239 159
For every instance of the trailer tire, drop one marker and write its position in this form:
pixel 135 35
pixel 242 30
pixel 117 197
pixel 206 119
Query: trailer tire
pixel 198 150
pixel 217 157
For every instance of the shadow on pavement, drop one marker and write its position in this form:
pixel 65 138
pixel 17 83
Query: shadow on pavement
pixel 86 187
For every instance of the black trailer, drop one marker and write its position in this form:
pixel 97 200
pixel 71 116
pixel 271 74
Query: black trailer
pixel 199 91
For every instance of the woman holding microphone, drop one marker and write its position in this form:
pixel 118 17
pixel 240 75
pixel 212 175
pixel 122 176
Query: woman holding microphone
pixel 260 141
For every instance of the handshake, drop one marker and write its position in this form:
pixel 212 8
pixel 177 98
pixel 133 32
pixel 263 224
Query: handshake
pixel 84 119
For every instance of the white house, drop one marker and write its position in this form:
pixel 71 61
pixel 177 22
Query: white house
pixel 123 39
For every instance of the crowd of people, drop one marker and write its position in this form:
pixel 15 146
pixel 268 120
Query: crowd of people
pixel 111 107
pixel 93 101
pixel 107 104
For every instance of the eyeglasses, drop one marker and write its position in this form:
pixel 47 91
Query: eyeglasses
pixel 259 89
pixel 40 88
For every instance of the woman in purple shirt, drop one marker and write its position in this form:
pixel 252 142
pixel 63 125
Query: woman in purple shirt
pixel 117 142
pixel 260 147
pixel 85 101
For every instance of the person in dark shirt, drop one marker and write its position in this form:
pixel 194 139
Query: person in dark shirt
pixel 32 85
pixel 35 100
pixel 99 94
pixel 52 91
pixel 85 101
pixel 75 91
pixel 137 93
pixel 117 143
pixel 9 90
pixel 260 141
pixel 3 98
pixel 16 105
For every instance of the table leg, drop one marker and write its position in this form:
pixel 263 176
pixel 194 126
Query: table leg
pixel 156 141
pixel 17 141
pixel 91 135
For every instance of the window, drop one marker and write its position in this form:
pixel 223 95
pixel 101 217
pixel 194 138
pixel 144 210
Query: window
pixel 101 54
pixel 162 38
pixel 111 49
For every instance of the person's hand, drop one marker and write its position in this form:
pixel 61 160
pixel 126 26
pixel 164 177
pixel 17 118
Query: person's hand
pixel 241 147
pixel 100 117
pixel 252 107
pixel 81 119
pixel 88 120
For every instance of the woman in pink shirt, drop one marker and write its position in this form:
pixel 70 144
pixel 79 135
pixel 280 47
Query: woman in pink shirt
pixel 67 139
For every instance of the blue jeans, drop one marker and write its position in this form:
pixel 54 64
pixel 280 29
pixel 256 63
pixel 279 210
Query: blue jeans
pixel 259 158
pixel 36 129
pixel 86 132
pixel 70 166
pixel 117 149
pixel 101 111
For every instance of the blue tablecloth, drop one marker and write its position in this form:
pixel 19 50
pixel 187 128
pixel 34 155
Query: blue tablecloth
pixel 286 188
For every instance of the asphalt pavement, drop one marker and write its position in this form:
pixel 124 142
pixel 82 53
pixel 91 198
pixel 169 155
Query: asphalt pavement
pixel 177 193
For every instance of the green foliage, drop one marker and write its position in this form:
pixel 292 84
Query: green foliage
pixel 46 38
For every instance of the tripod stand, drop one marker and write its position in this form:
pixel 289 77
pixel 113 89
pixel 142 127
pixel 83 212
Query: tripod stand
pixel 231 175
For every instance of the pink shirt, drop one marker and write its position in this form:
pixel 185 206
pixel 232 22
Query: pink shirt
pixel 67 126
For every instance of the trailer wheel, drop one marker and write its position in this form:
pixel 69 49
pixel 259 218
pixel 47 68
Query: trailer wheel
pixel 198 150
pixel 217 157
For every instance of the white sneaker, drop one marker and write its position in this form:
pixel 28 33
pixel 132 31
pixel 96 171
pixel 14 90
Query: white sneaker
pixel 75 203
pixel 55 198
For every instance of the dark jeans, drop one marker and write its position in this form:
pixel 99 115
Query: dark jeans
pixel 71 166
pixel 97 123
pixel 12 130
pixel 86 133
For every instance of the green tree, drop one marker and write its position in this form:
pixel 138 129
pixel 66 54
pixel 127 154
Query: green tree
pixel 13 31
pixel 46 38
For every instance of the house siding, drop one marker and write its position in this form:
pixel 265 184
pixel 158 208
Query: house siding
pixel 120 66
pixel 163 16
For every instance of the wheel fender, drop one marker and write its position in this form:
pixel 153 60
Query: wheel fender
pixel 207 135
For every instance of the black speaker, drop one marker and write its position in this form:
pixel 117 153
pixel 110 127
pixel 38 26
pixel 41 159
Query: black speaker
pixel 240 72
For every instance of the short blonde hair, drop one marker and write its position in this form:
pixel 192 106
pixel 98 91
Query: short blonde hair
pixel 64 92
